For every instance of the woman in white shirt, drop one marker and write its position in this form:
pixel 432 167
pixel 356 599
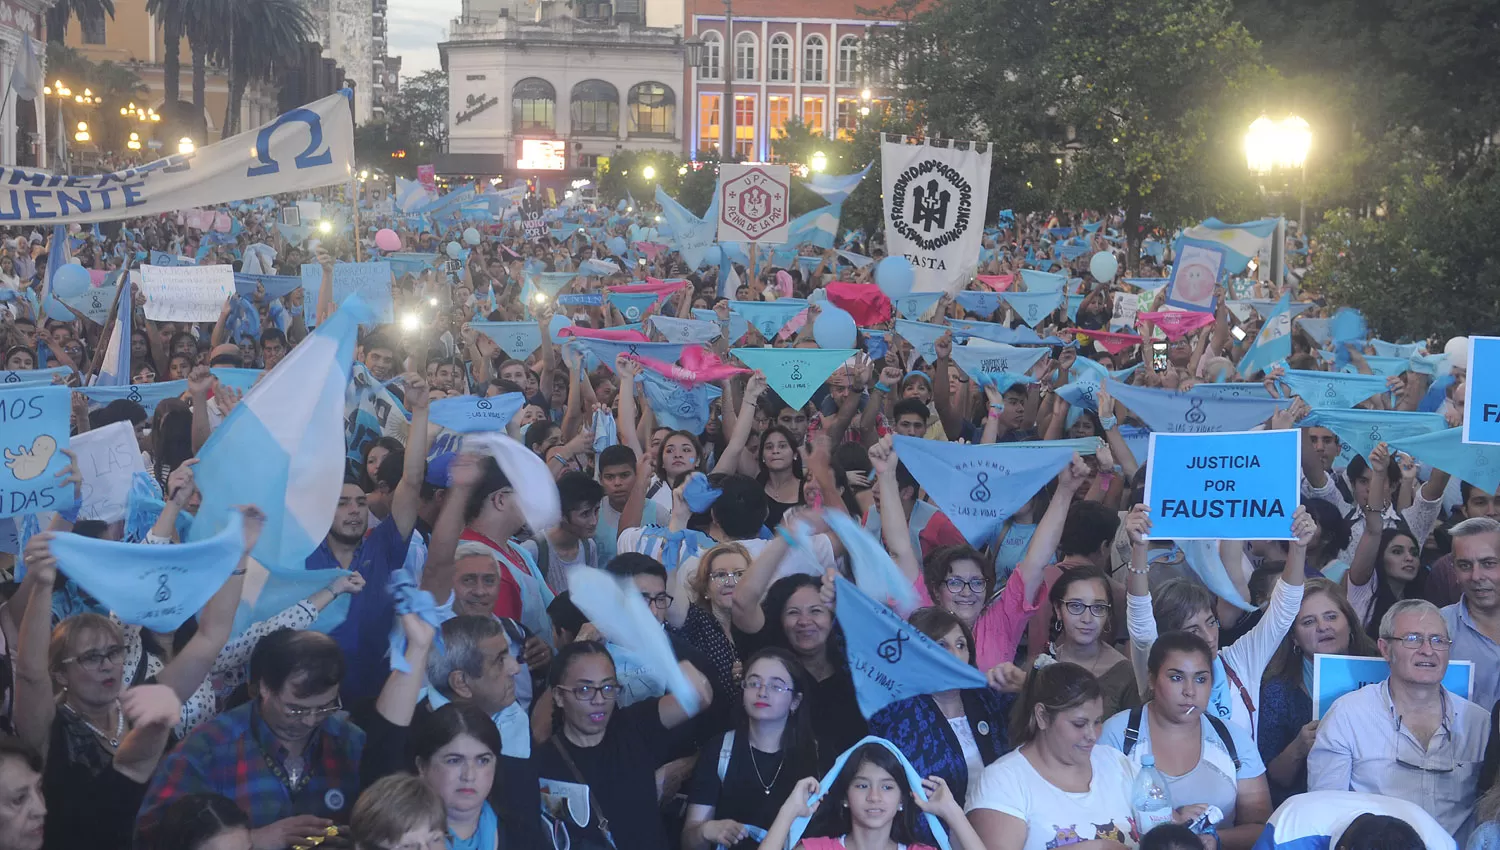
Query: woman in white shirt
pixel 1057 788
pixel 1186 605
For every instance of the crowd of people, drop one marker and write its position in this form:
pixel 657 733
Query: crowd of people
pixel 504 716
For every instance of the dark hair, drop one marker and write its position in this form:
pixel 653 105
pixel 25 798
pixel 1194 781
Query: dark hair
pixel 12 747
pixel 312 658
pixel 1058 594
pixel 435 730
pixel 272 335
pixel 1385 595
pixel 558 671
pixel 119 410
pixel 388 472
pixel 491 478
pixel 538 431
pixel 661 449
pixel 1056 688
pixel 617 455
pixel 191 821
pixel 912 406
pixel 578 490
pixel 936 623
pixel 832 817
pixel 1370 831
pixel 760 454
pixel 1169 642
pixel 798 745
pixel 627 564
pixel 1178 599
pixel 775 602
pixel 1171 836
pixel 1333 529
pixel 741 510
pixel 172 434
pixel 564 614
pixel 376 340
pixel 1088 527
pixel 939 564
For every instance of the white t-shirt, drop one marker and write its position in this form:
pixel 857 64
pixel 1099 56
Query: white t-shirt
pixel 970 747
pixel 1055 817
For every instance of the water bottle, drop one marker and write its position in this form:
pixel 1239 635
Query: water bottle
pixel 1149 797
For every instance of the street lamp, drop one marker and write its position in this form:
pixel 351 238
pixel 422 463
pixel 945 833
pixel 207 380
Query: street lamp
pixel 83 132
pixel 819 161
pixel 185 145
pixel 649 172
pixel 134 143
pixel 1284 144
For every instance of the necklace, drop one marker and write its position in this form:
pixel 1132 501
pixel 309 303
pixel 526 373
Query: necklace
pixel 766 786
pixel 114 742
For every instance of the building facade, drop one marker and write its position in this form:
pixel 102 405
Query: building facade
pixel 346 29
pixel 788 58
pixel 23 128
pixel 545 97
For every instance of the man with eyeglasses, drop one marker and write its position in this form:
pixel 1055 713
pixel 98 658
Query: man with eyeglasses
pixel 1407 737
pixel 1474 621
pixel 289 758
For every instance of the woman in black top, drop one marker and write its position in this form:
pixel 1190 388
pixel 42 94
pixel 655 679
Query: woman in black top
pixel 742 776
pixel 614 752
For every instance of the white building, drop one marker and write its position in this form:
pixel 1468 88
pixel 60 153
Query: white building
pixel 25 144
pixel 530 95
pixel 346 29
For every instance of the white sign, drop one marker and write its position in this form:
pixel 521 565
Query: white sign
pixel 306 148
pixel 754 203
pixel 1127 305
pixel 309 211
pixel 186 293
pixel 107 458
pixel 935 204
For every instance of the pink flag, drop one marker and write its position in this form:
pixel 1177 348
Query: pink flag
pixel 660 288
pixel 613 334
pixel 651 248
pixel 1177 324
pixel 997 282
pixel 699 366
pixel 1110 341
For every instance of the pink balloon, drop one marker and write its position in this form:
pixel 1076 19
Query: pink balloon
pixel 387 240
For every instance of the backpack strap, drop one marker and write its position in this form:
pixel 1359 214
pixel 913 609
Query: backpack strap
pixel 724 750
pixel 1226 739
pixel 1133 729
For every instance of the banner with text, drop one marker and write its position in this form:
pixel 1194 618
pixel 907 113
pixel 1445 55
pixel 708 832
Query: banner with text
pixel 754 203
pixel 1482 392
pixel 186 293
pixel 935 202
pixel 1239 485
pixel 370 281
pixel 35 421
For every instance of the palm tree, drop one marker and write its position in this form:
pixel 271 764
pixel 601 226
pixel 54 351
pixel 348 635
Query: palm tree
pixel 256 37
pixel 65 10
pixel 170 13
pixel 205 33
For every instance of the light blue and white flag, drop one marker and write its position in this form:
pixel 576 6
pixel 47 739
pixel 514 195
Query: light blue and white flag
pixel 1273 343
pixel 156 587
pixel 835 188
pixel 617 610
pixel 769 317
pixel 1188 413
pixel 517 339
pixel 979 487
pixel 411 195
pixel 114 369
pixel 693 331
pixel 472 414
pixel 794 373
pixel 817 228
pixel 282 447
pixel 1034 307
pixel 1333 389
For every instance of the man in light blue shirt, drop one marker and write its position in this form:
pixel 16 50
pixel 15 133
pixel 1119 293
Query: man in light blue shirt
pixel 1407 737
pixel 1474 620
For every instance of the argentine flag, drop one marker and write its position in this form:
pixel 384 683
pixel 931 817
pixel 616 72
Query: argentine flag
pixel 1274 342
pixel 114 370
pixel 282 447
pixel 835 188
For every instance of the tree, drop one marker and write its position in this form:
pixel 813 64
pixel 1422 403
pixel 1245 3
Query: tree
pixel 259 36
pixel 421 111
pixel 170 13
pixel 64 11
pixel 626 173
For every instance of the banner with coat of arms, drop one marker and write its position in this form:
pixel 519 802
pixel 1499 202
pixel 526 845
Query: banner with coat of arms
pixel 936 194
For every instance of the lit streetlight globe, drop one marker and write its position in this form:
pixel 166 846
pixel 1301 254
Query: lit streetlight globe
pixel 819 161
pixel 649 172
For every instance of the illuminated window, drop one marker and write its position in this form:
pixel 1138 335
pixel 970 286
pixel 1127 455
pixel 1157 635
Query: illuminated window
pixel 595 109
pixel 814 60
pixel 744 126
pixel 778 110
pixel 744 57
pixel 848 60
pixel 812 114
pixel 653 110
pixel 779 61
pixel 709 132
pixel 847 117
pixel 713 51
pixel 532 105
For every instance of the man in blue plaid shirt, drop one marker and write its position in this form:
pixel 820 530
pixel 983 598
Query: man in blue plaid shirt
pixel 289 758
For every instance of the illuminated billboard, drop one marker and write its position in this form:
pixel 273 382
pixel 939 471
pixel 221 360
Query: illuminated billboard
pixel 543 155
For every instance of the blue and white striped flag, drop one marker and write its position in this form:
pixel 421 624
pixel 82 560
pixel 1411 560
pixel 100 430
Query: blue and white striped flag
pixel 835 188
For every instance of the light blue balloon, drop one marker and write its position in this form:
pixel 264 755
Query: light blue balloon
pixel 555 326
pixel 834 328
pixel 895 277
pixel 454 250
pixel 471 236
pixel 1103 266
pixel 71 280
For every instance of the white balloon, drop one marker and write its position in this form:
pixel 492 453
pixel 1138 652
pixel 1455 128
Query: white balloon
pixel 1457 350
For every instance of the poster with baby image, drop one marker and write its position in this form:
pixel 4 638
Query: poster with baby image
pixel 1194 275
pixel 34 422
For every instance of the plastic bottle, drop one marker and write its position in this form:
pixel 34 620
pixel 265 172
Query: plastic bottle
pixel 1149 797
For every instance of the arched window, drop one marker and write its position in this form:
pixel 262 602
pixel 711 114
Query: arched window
pixel 595 109
pixel 533 105
pixel 653 110
pixel 713 54
pixel 815 60
pixel 848 60
pixel 779 59
pixel 744 57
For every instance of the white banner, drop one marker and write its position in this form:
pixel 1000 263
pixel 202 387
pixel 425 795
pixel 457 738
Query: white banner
pixel 935 203
pixel 306 148
pixel 754 203
pixel 186 293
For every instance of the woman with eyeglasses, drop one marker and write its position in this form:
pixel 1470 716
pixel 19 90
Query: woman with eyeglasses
pixel 1205 760
pixel 702 611
pixel 743 775
pixel 613 752
pixel 952 734
pixel 1082 621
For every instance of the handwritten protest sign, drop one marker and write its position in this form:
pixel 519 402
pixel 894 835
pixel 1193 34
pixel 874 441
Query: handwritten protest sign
pixel 107 458
pixel 35 425
pixel 1336 675
pixel 1238 485
pixel 186 293
pixel 370 281
pixel 1482 392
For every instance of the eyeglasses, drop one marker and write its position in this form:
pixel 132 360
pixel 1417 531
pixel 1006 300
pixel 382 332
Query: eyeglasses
pixel 321 711
pixel 957 585
pixel 755 683
pixel 1077 607
pixel 731 578
pixel 660 600
pixel 1443 753
pixel 585 693
pixel 1415 641
pixel 98 659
